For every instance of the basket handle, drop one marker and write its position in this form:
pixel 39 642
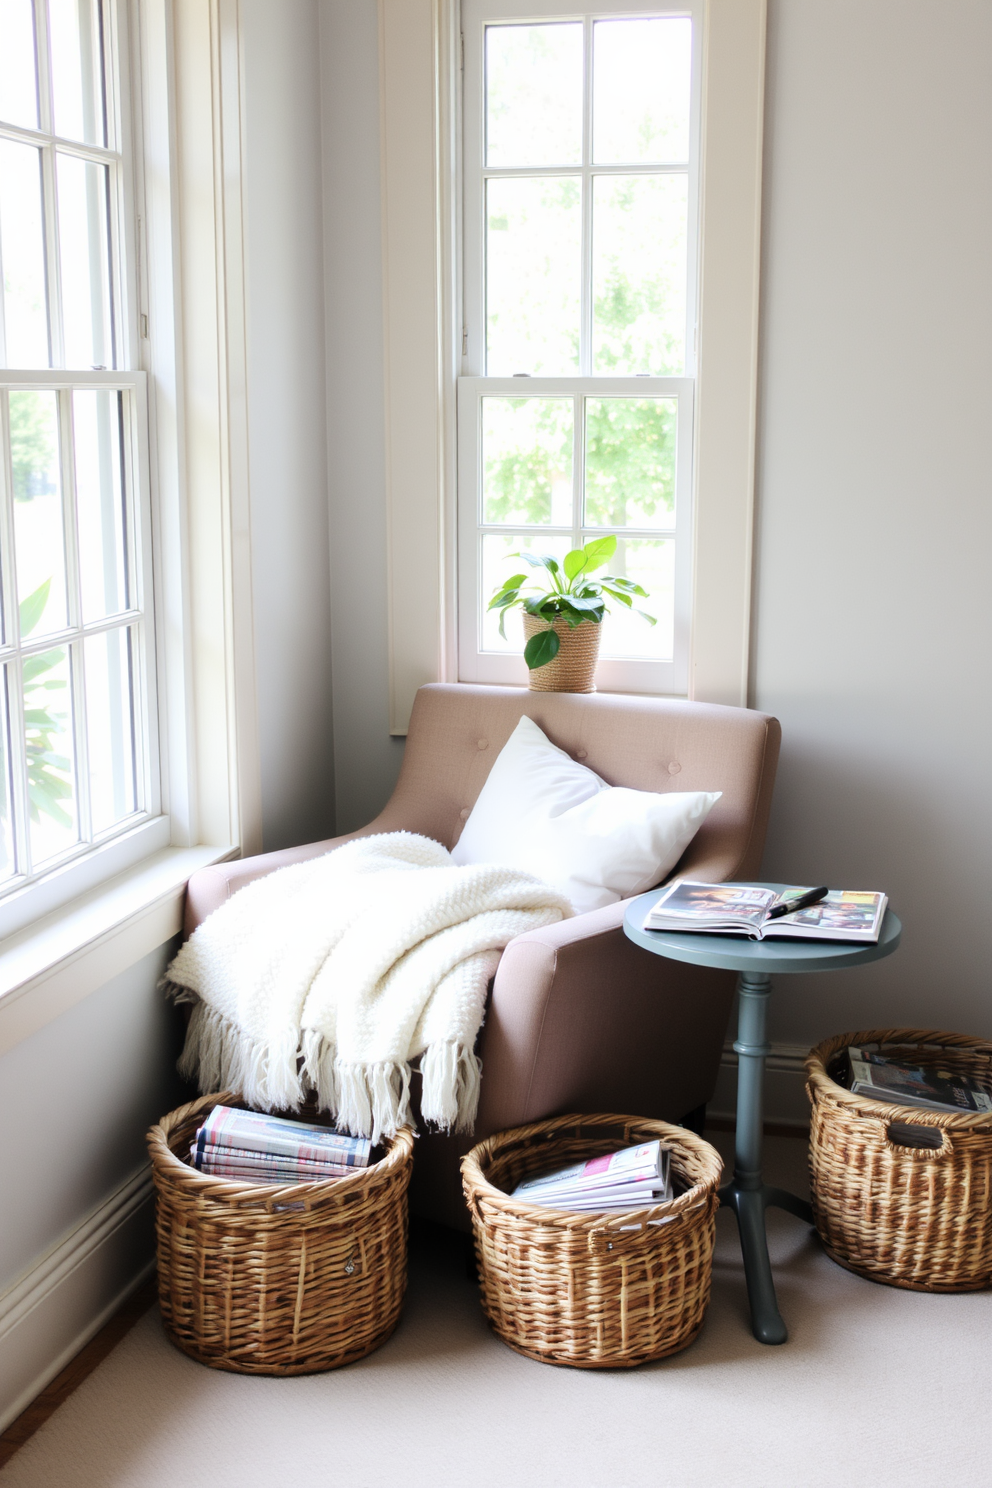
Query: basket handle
pixel 604 1240
pixel 920 1154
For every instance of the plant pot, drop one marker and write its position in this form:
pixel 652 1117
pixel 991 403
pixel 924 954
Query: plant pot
pixel 574 668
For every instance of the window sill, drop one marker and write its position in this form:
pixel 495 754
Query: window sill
pixel 60 959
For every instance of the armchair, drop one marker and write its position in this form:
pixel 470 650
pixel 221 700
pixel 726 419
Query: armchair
pixel 579 1018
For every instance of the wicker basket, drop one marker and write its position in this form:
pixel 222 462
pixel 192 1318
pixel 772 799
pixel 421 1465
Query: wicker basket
pixel 912 1216
pixel 277 1279
pixel 581 1289
pixel 574 668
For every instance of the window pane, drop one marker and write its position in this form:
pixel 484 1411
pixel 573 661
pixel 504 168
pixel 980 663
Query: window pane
pixel 18 84
pixel 630 462
pixel 639 274
pixel 534 95
pixel 97 432
pixel 22 249
pixel 48 742
pixel 532 276
pixel 110 727
pixel 641 79
pixel 85 262
pixel 77 70
pixel 649 562
pixel 498 563
pixel 39 544
pixel 8 865
pixel 527 460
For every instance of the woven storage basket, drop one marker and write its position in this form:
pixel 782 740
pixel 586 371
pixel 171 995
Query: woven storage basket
pixel 277 1279
pixel 571 1288
pixel 912 1216
pixel 574 668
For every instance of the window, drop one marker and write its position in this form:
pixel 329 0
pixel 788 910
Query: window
pixel 576 418
pixel 78 768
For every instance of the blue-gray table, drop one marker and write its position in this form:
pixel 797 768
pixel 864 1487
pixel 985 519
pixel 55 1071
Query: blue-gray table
pixel 755 961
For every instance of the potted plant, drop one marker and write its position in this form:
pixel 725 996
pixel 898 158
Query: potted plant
pixel 563 615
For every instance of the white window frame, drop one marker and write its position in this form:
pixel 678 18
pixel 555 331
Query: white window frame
pixel 181 268
pixel 613 674
pixel 475 664
pixel 95 857
pixel 420 82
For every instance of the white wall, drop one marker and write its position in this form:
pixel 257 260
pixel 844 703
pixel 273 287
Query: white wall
pixel 367 760
pixel 871 612
pixel 872 615
pixel 286 403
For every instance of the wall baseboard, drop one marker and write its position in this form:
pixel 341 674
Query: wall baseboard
pixel 786 1102
pixel 66 1297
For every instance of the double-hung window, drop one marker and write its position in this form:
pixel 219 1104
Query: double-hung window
pixel 575 410
pixel 78 769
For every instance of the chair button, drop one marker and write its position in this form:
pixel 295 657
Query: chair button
pixel 580 754
pixel 483 744
pixel 674 767
pixel 464 813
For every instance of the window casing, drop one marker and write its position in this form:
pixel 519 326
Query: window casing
pixel 604 422
pixel 80 773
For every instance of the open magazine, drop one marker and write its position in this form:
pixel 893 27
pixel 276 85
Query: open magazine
pixel 742 909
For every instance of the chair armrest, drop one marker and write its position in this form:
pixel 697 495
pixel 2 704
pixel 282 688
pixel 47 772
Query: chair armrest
pixel 583 1019
pixel 211 887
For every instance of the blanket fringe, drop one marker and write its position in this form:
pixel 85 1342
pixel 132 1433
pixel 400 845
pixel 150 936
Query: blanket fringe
pixel 366 1099
pixel 220 1056
pixel 452 1076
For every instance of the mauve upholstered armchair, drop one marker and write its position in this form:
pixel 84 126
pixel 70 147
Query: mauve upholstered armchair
pixel 579 1018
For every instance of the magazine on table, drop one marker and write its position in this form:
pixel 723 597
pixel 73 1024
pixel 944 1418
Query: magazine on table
pixel 743 909
pixel 633 1178
pixel 871 1074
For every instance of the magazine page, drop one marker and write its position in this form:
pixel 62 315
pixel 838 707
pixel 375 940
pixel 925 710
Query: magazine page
pixel 647 1162
pixel 688 905
pixel 845 914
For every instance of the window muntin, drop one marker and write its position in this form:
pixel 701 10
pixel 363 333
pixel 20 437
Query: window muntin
pixel 77 751
pixel 580 190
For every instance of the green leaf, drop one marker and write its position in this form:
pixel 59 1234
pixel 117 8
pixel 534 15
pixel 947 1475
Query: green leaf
pixel 541 649
pixel 500 601
pixel 651 619
pixel 627 584
pixel 539 560
pixel 32 608
pixel 513 582
pixel 624 599
pixel 574 563
pixel 599 551
pixel 39 718
pixel 588 609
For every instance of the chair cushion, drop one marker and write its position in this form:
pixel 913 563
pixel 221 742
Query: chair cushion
pixel 543 813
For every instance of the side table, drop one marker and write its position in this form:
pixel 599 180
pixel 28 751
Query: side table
pixel 755 961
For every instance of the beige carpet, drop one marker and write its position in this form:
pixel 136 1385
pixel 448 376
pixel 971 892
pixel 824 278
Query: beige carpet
pixel 875 1386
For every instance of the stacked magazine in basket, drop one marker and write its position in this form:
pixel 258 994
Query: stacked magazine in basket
pixel 634 1178
pixel 249 1147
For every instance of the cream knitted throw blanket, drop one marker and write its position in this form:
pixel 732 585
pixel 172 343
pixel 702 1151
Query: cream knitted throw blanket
pixel 333 974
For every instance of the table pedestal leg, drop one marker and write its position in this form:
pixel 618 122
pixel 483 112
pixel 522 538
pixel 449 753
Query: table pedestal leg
pixel 747 1194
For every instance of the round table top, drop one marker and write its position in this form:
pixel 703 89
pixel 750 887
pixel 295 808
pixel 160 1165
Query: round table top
pixel 734 953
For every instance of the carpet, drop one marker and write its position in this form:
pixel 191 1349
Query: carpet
pixel 875 1385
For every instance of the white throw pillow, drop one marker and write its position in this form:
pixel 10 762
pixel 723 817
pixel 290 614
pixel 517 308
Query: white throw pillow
pixel 543 813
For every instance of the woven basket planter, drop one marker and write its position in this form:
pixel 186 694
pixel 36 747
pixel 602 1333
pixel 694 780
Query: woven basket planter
pixel 260 1278
pixel 580 1289
pixel 574 668
pixel 911 1216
